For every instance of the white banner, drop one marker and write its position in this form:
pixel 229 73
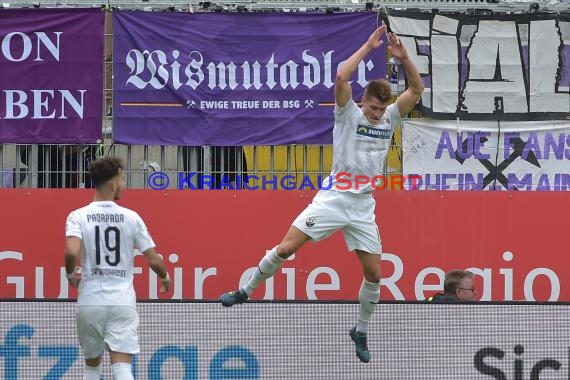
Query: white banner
pixel 487 155
pixel 489 67
pixel 278 341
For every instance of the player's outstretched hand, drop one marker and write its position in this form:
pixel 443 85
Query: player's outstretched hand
pixel 375 39
pixel 396 47
pixel 165 283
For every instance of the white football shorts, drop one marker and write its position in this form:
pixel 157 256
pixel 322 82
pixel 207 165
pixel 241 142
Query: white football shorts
pixel 112 327
pixel 332 210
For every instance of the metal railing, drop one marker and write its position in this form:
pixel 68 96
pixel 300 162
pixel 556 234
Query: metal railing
pixel 66 166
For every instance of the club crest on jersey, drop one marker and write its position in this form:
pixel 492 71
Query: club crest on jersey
pixel 377 133
pixel 310 222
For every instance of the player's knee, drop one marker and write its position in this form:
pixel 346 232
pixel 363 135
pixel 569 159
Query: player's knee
pixel 285 250
pixel 95 362
pixel 373 276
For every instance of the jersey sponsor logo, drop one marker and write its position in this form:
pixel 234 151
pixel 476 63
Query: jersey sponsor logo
pixel 367 131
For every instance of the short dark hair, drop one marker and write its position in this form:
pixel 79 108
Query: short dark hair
pixel 104 169
pixel 453 280
pixel 379 89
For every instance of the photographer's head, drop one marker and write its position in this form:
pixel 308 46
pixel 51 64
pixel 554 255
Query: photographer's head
pixel 459 285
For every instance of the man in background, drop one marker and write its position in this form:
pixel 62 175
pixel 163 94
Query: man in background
pixel 457 287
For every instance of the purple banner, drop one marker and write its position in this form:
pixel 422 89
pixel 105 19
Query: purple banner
pixel 52 75
pixel 233 78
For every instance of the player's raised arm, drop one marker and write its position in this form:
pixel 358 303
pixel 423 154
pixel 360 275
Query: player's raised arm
pixel 408 99
pixel 342 89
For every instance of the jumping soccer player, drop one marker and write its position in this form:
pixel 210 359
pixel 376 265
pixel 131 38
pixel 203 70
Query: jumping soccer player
pixel 361 138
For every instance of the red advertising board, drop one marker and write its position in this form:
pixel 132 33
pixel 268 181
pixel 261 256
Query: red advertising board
pixel 514 242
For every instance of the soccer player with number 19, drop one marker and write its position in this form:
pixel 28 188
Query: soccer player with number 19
pixel 361 139
pixel 101 238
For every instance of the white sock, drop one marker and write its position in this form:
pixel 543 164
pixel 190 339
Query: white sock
pixel 266 268
pixel 122 371
pixel 92 373
pixel 368 296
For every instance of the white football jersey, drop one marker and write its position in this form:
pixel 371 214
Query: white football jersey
pixel 109 234
pixel 360 148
